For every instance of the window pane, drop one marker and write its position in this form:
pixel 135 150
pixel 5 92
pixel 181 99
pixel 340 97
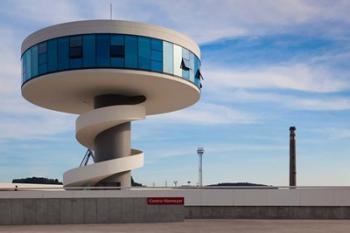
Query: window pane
pixel 177 60
pixel 192 67
pixel 157 45
pixel 144 49
pixel 186 73
pixel 75 41
pixel 196 66
pixel 34 62
pixel 130 51
pixel 157 66
pixel 117 40
pixel 102 50
pixel 196 71
pixel 156 55
pixel 52 55
pixel 75 52
pixel 42 48
pixel 63 53
pixel 23 69
pixel 42 69
pixel 42 58
pixel 89 55
pixel 76 63
pixel 185 54
pixel 168 58
pixel 144 63
pixel 185 65
pixel 117 62
pixel 117 51
pixel 27 65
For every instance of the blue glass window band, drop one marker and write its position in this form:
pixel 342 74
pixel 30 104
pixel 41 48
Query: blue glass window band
pixel 93 51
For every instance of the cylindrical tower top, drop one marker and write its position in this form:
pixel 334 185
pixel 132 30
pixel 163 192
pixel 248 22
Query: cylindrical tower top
pixel 110 26
pixel 65 66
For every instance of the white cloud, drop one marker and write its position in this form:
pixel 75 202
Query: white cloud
pixel 9 59
pixel 299 77
pixel 209 20
pixel 311 103
pixel 40 127
pixel 329 104
pixel 207 114
pixel 218 150
pixel 22 120
pixel 205 20
pixel 18 118
pixel 337 133
pixel 43 11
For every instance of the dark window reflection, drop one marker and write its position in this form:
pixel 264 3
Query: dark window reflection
pixel 75 47
pixel 117 51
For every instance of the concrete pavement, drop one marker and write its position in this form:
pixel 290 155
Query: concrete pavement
pixel 197 226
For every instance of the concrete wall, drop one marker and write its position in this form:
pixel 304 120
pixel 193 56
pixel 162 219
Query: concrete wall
pixel 34 207
pixel 85 211
pixel 267 212
pixel 331 196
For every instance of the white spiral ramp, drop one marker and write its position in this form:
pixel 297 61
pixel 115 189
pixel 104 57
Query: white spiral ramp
pixel 91 124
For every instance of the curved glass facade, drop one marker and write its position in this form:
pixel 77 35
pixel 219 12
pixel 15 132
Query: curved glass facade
pixel 91 51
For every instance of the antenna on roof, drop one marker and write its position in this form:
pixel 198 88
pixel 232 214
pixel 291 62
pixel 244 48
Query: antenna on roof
pixel 110 10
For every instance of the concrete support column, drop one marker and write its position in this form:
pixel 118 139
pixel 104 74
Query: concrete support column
pixel 115 142
pixel 111 144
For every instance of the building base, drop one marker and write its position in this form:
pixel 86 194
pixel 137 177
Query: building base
pixel 267 212
pixel 29 211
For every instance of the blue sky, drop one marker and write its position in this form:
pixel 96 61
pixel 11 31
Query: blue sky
pixel 267 65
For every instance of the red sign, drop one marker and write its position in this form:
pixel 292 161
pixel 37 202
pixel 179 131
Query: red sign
pixel 165 200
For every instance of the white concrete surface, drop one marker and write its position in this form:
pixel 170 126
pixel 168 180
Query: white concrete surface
pixel 91 174
pixel 195 226
pixel 75 89
pixel 327 196
pixel 94 122
pixel 40 187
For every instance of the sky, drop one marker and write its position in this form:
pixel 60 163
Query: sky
pixel 267 65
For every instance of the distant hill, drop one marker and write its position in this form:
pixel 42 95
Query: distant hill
pixel 43 180
pixel 237 184
pixel 36 180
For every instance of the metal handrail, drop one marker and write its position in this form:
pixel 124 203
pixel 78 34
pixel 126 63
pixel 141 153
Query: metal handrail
pixel 89 154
